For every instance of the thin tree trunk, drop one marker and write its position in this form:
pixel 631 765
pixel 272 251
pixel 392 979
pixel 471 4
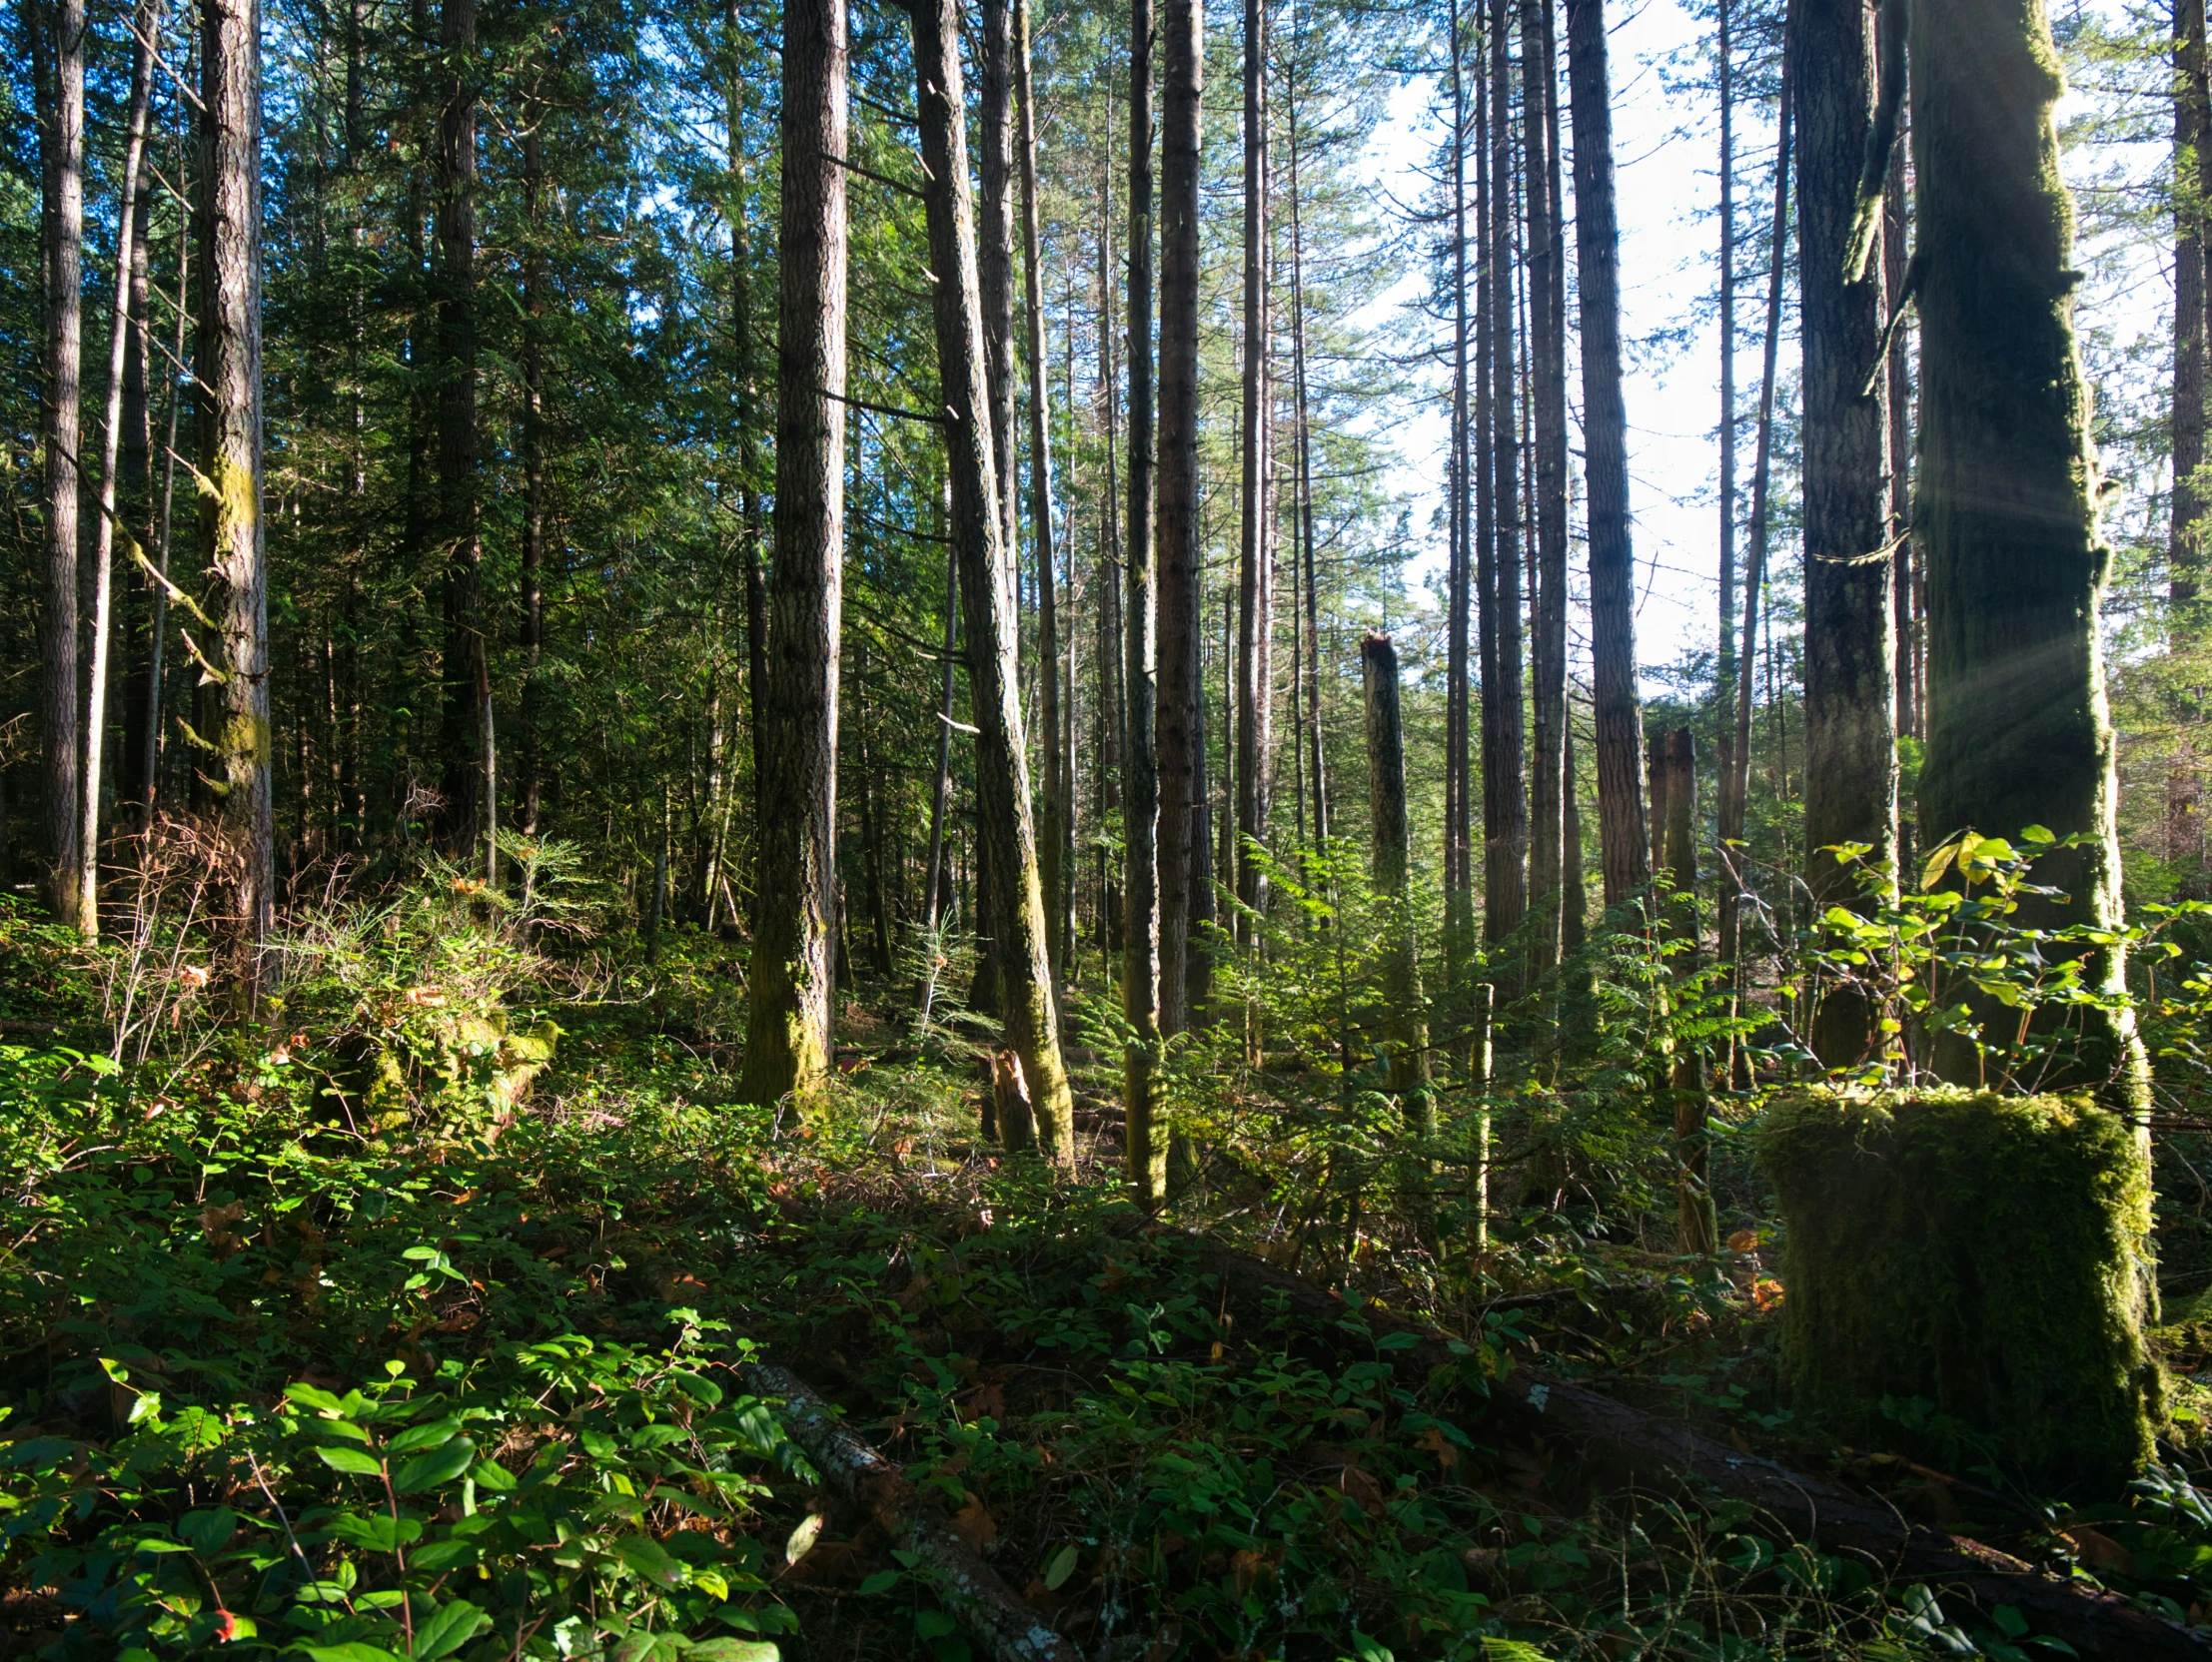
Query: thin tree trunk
pixel 872 842
pixel 1735 785
pixel 994 255
pixel 2018 730
pixel 1145 1139
pixel 1111 715
pixel 1056 823
pixel 1459 922
pixel 1305 551
pixel 1623 842
pixel 1003 828
pixel 146 20
pixel 941 788
pixel 1693 1206
pixel 62 135
pixel 789 1009
pixel 226 369
pixel 1406 1030
pixel 2185 534
pixel 533 482
pixel 1184 855
pixel 466 672
pixel 1850 646
pixel 1505 780
pixel 1549 781
pixel 1725 680
pixel 160 625
pixel 1255 721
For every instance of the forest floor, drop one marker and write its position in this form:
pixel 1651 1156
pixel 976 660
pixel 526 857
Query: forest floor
pixel 272 1376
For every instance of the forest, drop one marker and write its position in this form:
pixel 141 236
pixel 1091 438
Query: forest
pixel 1054 829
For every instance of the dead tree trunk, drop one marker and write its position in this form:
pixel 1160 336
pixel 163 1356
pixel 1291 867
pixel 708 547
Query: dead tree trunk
pixel 1405 1026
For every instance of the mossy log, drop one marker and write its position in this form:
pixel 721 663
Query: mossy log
pixel 1986 1254
pixel 1000 1621
pixel 1668 1454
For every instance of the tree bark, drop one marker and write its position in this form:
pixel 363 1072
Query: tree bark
pixel 1255 723
pixel 1622 839
pixel 226 369
pixel 534 480
pixel 147 19
pixel 789 1012
pixel 1850 641
pixel 1145 1138
pixel 1184 855
pixel 1405 1027
pixel 995 270
pixel 62 136
pixel 1725 680
pixel 468 683
pixel 1003 826
pixel 2018 731
pixel 2185 535
pixel 1459 855
pixel 1505 780
pixel 1056 823
pixel 1550 782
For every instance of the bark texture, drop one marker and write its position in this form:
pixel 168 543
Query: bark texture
pixel 1005 834
pixel 1256 542
pixel 2018 729
pixel 1505 762
pixel 1622 839
pixel 787 1034
pixel 469 788
pixel 1405 1026
pixel 1851 635
pixel 61 141
pixel 1549 781
pixel 226 369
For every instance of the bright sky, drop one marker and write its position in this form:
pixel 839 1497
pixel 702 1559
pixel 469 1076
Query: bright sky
pixel 1666 154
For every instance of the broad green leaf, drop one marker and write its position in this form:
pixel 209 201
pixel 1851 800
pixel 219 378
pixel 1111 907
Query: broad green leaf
pixel 351 1459
pixel 376 1531
pixel 451 1627
pixel 490 1474
pixel 735 1650
pixel 711 1581
pixel 880 1582
pixel 308 1396
pixel 432 1435
pixel 352 1651
pixel 1062 1567
pixel 442 1555
pixel 650 1559
pixel 438 1466
pixel 207 1533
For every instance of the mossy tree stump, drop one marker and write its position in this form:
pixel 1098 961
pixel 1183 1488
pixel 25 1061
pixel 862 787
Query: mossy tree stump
pixel 1987 1254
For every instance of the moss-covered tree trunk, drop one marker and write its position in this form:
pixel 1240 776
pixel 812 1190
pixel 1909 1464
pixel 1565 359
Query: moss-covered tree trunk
pixel 1850 646
pixel 2018 733
pixel 1005 834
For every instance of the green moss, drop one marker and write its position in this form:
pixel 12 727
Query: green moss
pixel 1988 1254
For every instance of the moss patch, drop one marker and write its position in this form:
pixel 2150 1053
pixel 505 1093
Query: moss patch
pixel 1984 1252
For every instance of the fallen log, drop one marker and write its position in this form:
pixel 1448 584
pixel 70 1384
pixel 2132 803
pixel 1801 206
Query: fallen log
pixel 2095 1622
pixel 997 1618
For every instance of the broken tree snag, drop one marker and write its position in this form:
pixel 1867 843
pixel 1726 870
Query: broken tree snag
pixel 1667 1452
pixel 1009 1111
pixel 996 1618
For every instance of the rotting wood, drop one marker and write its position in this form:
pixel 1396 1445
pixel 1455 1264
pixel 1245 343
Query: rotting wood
pixel 995 1616
pixel 2095 1622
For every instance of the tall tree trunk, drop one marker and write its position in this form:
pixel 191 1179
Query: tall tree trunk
pixel 1851 645
pixel 1406 1030
pixel 1056 823
pixel 746 405
pixel 1185 858
pixel 534 480
pixel 1548 780
pixel 1254 722
pixel 1735 784
pixel 1305 551
pixel 1725 680
pixel 1504 783
pixel 137 471
pixel 1623 842
pixel 62 136
pixel 1111 717
pixel 159 627
pixel 995 270
pixel 1678 856
pixel 1897 376
pixel 1003 825
pixel 226 369
pixel 467 675
pixel 110 443
pixel 1459 921
pixel 2185 534
pixel 1145 1139
pixel 941 786
pixel 789 1006
pixel 2018 733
